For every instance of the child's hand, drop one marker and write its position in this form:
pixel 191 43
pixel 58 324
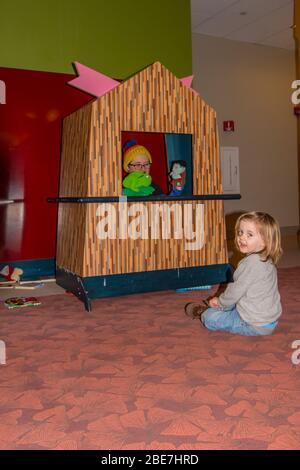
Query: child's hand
pixel 214 302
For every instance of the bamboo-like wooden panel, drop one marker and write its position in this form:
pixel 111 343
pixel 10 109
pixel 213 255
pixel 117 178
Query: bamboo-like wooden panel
pixel 116 256
pixel 154 100
pixel 71 236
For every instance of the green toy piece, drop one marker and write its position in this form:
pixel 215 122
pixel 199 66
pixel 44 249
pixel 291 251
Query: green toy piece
pixel 137 183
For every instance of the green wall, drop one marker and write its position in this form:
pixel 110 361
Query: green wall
pixel 116 37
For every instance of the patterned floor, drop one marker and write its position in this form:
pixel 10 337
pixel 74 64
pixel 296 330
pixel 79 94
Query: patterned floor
pixel 138 374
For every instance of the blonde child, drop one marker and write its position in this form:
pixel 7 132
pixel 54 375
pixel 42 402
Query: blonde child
pixel 250 306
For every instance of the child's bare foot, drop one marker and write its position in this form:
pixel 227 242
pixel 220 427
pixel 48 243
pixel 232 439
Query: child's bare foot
pixel 194 310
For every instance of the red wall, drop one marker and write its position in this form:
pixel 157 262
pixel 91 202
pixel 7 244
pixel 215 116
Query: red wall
pixel 30 138
pixel 30 144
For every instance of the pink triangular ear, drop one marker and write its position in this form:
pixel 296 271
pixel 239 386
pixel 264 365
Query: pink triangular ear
pixel 91 81
pixel 187 81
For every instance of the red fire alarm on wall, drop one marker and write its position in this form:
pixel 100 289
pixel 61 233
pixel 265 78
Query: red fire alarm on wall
pixel 228 126
pixel 297 110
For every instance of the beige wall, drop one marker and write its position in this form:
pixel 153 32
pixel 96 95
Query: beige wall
pixel 251 85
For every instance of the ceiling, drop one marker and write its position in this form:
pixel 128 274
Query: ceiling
pixel 267 22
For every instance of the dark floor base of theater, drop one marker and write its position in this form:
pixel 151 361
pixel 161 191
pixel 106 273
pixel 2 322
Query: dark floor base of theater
pixel 88 288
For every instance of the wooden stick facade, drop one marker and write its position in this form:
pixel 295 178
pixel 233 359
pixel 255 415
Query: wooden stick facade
pixel 153 100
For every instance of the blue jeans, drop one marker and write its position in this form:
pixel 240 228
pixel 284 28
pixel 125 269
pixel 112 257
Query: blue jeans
pixel 229 320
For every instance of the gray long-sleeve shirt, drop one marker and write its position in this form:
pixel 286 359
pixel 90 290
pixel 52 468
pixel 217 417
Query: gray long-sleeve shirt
pixel 254 291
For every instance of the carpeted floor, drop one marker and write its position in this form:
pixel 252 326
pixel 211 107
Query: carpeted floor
pixel 136 373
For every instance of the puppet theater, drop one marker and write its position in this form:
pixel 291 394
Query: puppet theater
pixel 167 116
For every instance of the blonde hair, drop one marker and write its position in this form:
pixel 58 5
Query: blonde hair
pixel 269 230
